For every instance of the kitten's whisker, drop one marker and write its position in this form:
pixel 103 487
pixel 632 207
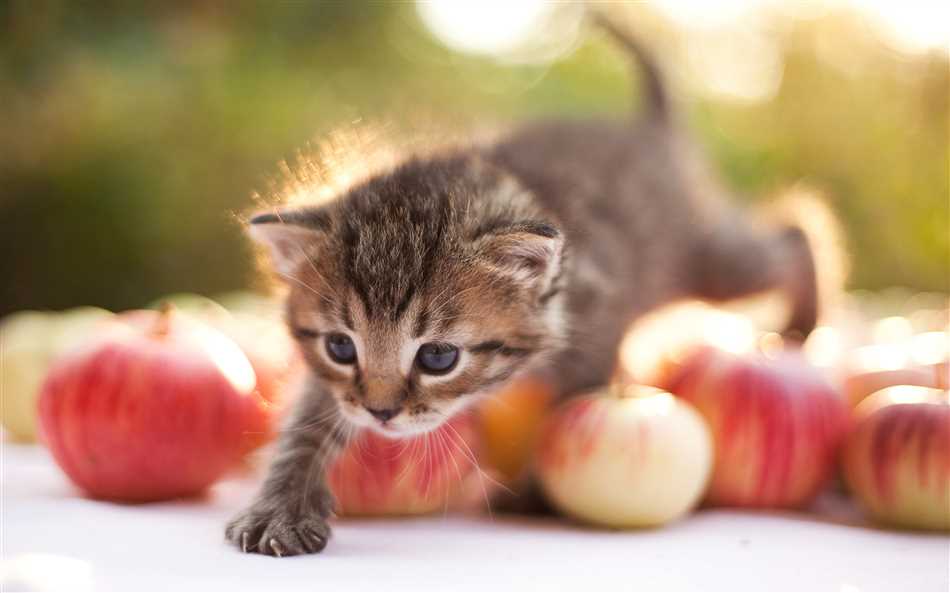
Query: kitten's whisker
pixel 447 450
pixel 317 463
pixel 320 418
pixel 446 484
pixel 467 451
pixel 412 445
pixel 480 475
pixel 426 465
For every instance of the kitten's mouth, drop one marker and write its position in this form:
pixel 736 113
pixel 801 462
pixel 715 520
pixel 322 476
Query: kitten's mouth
pixel 396 426
pixel 402 431
pixel 394 429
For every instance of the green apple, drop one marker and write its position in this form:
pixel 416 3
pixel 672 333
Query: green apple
pixel 30 341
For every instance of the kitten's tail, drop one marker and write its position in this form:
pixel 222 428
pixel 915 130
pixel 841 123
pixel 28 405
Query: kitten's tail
pixel 799 251
pixel 806 209
pixel 657 104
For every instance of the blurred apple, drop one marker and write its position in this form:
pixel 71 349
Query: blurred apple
pixel 659 340
pixel 510 421
pixel 631 457
pixel 251 303
pixel 31 340
pixel 380 476
pixel 776 422
pixel 263 340
pixel 200 306
pixel 859 385
pixel 920 359
pixel 897 460
pixel 276 363
pixel 153 406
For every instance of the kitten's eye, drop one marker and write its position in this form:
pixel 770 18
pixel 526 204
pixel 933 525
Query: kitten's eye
pixel 437 358
pixel 341 348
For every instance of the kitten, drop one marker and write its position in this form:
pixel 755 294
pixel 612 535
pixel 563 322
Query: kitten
pixel 434 283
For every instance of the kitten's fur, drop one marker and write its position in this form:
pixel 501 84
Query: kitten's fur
pixel 533 252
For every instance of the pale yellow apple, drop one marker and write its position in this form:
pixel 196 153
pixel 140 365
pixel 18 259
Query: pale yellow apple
pixel 31 340
pixel 632 456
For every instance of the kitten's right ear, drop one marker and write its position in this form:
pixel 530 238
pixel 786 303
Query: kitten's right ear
pixel 287 237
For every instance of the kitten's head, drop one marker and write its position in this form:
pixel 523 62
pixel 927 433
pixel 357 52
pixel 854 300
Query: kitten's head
pixel 419 290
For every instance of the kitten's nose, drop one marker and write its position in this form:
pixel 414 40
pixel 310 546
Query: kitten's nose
pixel 384 414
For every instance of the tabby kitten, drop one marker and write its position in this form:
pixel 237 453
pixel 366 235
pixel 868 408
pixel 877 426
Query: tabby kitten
pixel 434 283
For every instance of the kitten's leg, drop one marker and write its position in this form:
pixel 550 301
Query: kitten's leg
pixel 289 515
pixel 736 261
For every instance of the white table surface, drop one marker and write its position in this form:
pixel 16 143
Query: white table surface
pixel 61 540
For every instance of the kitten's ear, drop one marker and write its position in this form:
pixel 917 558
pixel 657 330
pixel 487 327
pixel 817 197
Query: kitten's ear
pixel 529 253
pixel 288 238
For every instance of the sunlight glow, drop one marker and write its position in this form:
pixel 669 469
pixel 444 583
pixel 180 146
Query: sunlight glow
pixel 524 32
pixel 891 330
pixel 930 347
pixel 913 25
pixel 824 347
pixel 880 357
pixel 230 360
pixel 732 333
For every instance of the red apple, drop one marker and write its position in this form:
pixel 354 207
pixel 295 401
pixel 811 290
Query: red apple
pixel 897 460
pixel 380 476
pixel 265 342
pixel 776 422
pixel 633 457
pixel 859 385
pixel 276 364
pixel 154 406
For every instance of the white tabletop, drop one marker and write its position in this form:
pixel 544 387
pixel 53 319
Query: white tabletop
pixel 53 537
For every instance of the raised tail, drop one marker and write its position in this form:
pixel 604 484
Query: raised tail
pixel 657 103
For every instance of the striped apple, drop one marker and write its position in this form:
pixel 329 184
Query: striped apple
pixel 897 460
pixel 154 406
pixel 776 422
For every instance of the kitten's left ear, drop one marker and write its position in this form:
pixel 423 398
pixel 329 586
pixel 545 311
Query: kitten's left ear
pixel 529 252
pixel 289 237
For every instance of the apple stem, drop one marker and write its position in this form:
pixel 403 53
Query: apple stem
pixel 161 327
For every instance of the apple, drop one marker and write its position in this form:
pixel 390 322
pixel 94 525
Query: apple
pixel 265 342
pixel 251 303
pixel 31 340
pixel 632 456
pixel 920 360
pixel 658 341
pixel 897 459
pixel 153 406
pixel 776 422
pixel 276 362
pixel 859 385
pixel 380 476
pixel 510 421
pixel 200 306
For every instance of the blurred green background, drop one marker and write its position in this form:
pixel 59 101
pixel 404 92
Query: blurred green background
pixel 132 132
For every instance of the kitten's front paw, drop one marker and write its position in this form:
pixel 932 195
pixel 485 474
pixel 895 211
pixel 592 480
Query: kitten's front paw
pixel 276 532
